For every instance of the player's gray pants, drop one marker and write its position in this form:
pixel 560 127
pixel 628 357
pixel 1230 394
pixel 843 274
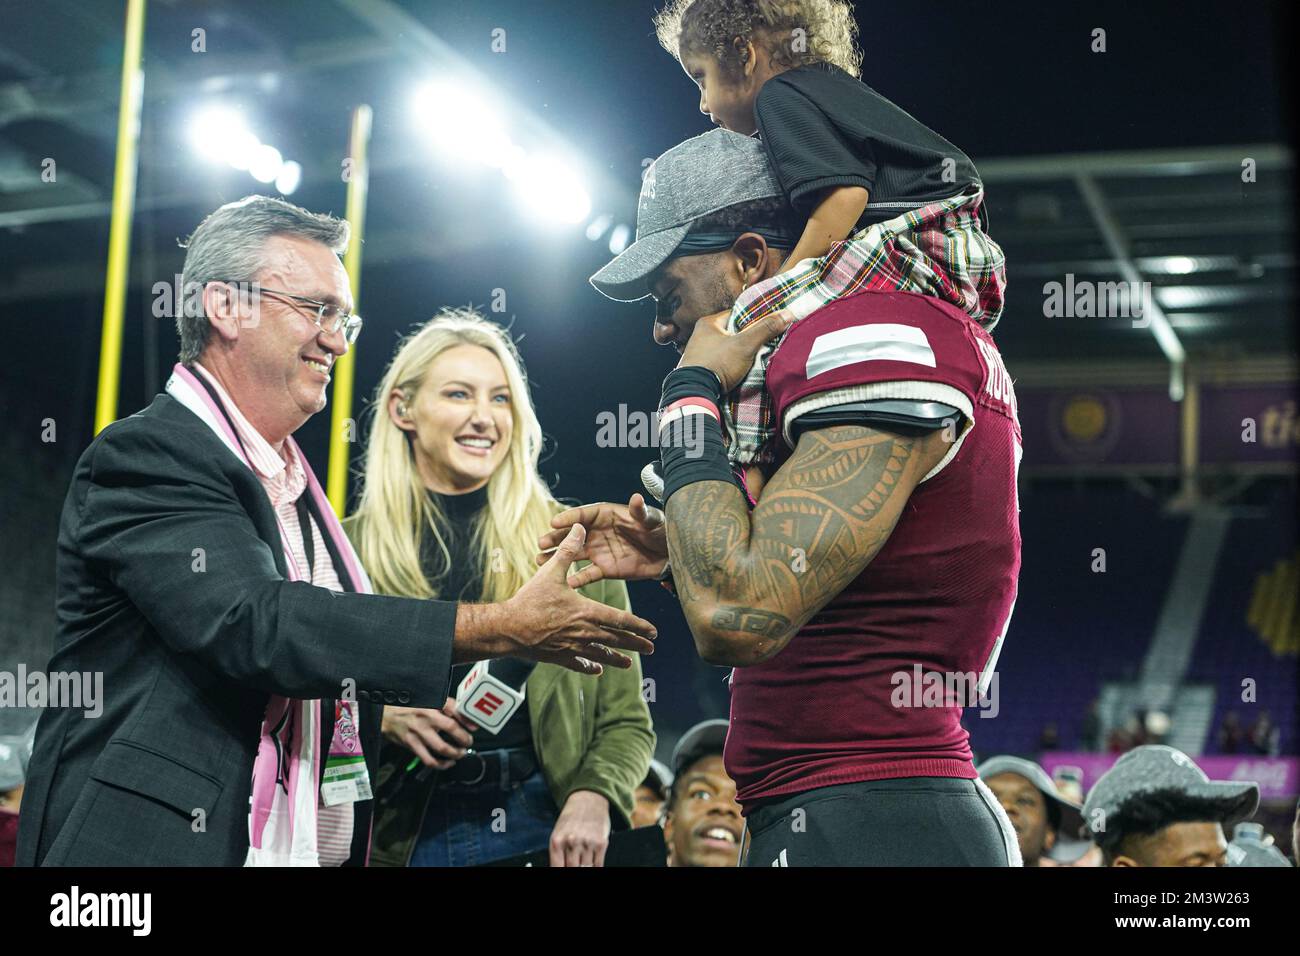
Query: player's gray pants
pixel 911 821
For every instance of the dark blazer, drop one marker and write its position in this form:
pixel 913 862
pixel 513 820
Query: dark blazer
pixel 171 580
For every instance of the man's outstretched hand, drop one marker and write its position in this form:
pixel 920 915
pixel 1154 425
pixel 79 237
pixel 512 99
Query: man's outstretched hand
pixel 623 541
pixel 548 621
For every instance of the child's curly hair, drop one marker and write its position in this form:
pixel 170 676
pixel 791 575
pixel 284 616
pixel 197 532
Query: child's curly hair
pixel 793 32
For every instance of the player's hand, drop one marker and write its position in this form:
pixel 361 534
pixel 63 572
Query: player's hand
pixel 437 737
pixel 730 355
pixel 548 621
pixel 627 542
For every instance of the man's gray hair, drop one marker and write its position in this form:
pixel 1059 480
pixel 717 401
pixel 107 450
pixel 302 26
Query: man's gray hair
pixel 228 246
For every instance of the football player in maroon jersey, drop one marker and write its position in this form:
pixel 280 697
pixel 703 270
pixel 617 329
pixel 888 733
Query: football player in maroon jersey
pixel 882 550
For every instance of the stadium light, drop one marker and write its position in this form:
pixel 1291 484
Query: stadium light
pixel 239 149
pixel 550 189
pixel 1186 265
pixel 619 238
pixel 596 228
pixel 265 163
pixel 217 132
pixel 1180 265
pixel 220 133
pixel 289 178
pixel 1200 296
pixel 465 123
pixel 462 123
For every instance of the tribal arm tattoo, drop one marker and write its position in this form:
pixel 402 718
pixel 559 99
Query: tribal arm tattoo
pixel 748 581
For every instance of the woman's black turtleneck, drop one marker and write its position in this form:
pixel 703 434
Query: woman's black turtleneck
pixel 463 581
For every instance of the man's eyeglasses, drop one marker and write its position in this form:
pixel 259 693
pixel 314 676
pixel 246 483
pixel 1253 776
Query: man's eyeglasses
pixel 329 317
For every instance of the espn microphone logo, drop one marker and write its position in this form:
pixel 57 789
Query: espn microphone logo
pixel 488 703
pixel 487 700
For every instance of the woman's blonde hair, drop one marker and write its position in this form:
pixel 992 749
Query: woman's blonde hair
pixel 396 510
pixel 793 32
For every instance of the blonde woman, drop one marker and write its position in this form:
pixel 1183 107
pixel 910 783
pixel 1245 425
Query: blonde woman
pixel 451 508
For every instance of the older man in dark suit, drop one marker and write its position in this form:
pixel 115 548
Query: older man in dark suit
pixel 201 571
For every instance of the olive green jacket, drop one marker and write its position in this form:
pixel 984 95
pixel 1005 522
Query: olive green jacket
pixel 589 733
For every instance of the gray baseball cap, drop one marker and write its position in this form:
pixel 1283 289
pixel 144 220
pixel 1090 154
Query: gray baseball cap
pixel 1157 767
pixel 692 180
pixel 1070 813
pixel 704 739
pixel 658 777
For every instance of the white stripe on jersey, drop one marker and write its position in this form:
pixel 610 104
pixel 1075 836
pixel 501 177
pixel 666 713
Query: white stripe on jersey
pixel 878 342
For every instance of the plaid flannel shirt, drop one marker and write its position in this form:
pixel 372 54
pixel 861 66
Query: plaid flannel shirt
pixel 939 250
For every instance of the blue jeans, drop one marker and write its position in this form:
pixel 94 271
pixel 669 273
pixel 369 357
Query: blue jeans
pixel 471 827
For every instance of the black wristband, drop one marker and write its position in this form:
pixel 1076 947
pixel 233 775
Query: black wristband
pixel 691 448
pixel 692 381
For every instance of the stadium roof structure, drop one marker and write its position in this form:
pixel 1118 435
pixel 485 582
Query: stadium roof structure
pixel 1217 250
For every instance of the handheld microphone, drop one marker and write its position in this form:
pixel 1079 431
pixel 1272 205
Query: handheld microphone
pixel 487 699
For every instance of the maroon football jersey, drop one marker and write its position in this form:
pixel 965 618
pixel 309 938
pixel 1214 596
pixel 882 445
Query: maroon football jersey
pixel 873 686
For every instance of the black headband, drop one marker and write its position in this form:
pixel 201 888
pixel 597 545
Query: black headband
pixel 698 242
